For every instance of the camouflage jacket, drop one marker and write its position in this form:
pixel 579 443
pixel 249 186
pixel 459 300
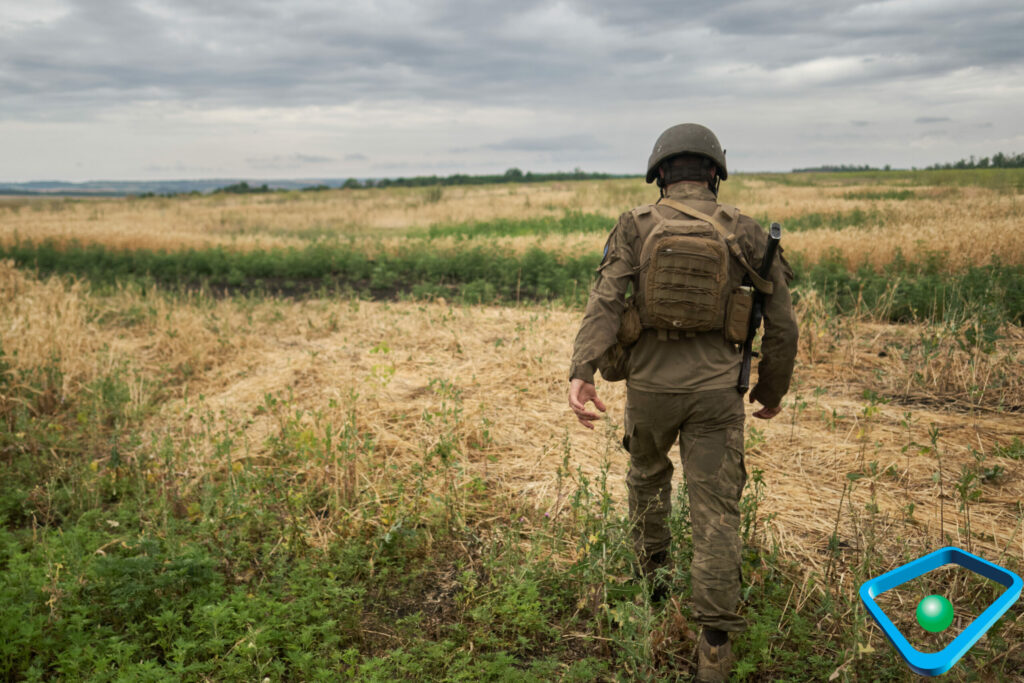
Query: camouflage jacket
pixel 700 362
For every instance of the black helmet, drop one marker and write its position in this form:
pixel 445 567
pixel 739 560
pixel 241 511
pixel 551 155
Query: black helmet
pixel 686 138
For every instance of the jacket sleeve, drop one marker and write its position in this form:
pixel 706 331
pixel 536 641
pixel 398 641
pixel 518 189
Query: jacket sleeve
pixel 607 301
pixel 779 344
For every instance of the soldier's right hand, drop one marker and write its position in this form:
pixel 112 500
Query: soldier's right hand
pixel 580 393
pixel 765 413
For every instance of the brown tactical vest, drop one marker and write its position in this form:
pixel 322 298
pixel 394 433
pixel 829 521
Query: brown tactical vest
pixel 686 281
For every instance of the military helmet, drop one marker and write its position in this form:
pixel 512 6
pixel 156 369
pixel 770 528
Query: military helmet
pixel 686 138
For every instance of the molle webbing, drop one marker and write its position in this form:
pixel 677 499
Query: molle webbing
pixel 682 275
pixel 759 282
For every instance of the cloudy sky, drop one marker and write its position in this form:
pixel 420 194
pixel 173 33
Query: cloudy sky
pixel 160 89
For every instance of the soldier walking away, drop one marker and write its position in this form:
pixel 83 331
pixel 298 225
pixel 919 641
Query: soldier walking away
pixel 671 311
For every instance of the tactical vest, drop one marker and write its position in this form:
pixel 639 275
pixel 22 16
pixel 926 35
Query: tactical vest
pixel 689 277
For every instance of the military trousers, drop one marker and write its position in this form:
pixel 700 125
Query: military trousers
pixel 709 426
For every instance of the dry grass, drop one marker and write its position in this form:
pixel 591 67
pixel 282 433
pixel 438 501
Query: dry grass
pixel 857 400
pixel 867 398
pixel 969 225
pixel 509 365
pixel 291 219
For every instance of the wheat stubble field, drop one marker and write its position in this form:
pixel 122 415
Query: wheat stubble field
pixel 312 436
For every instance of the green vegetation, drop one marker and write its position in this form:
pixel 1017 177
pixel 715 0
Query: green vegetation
pixel 111 563
pixel 1013 450
pixel 156 569
pixel 913 291
pixel 898 195
pixel 571 222
pixel 480 272
pixel 998 160
pixel 512 175
pixel 839 168
pixel 837 220
pixel 243 188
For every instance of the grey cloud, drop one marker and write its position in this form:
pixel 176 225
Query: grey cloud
pixel 562 77
pixel 896 39
pixel 302 52
pixel 312 159
pixel 261 53
pixel 179 167
pixel 547 144
pixel 931 119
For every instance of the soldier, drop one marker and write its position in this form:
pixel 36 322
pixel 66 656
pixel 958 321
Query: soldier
pixel 677 341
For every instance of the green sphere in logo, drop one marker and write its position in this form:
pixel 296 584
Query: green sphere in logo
pixel 934 613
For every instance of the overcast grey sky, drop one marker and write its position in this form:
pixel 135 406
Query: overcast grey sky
pixel 159 89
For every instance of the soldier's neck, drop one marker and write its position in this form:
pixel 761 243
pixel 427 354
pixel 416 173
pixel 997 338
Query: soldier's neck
pixel 689 189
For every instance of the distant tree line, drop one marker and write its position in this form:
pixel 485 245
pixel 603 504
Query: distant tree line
pixel 243 188
pixel 512 175
pixel 165 195
pixel 840 168
pixel 998 160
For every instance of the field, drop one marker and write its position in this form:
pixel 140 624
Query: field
pixel 324 435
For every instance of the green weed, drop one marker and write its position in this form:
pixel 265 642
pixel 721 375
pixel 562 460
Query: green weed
pixel 569 222
pixel 869 195
pixel 856 218
pixel 1013 450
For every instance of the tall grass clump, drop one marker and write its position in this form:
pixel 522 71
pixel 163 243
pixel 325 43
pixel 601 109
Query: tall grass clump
pixel 481 273
pixel 838 220
pixel 905 291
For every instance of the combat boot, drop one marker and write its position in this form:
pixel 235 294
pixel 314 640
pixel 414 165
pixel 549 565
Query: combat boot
pixel 714 662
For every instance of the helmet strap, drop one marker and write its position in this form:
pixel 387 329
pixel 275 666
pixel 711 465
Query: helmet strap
pixel 713 184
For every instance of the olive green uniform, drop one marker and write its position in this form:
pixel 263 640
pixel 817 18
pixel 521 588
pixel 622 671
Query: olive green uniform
pixel 686 388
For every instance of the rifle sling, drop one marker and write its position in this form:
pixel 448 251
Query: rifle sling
pixel 762 285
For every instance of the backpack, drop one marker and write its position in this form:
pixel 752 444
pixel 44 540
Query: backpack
pixel 686 281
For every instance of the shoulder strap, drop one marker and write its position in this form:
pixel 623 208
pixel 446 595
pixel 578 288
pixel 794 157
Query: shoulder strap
pixel 760 283
pixel 645 218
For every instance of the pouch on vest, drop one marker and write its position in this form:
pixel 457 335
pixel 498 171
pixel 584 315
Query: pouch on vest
pixel 737 314
pixel 614 363
pixel 629 325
